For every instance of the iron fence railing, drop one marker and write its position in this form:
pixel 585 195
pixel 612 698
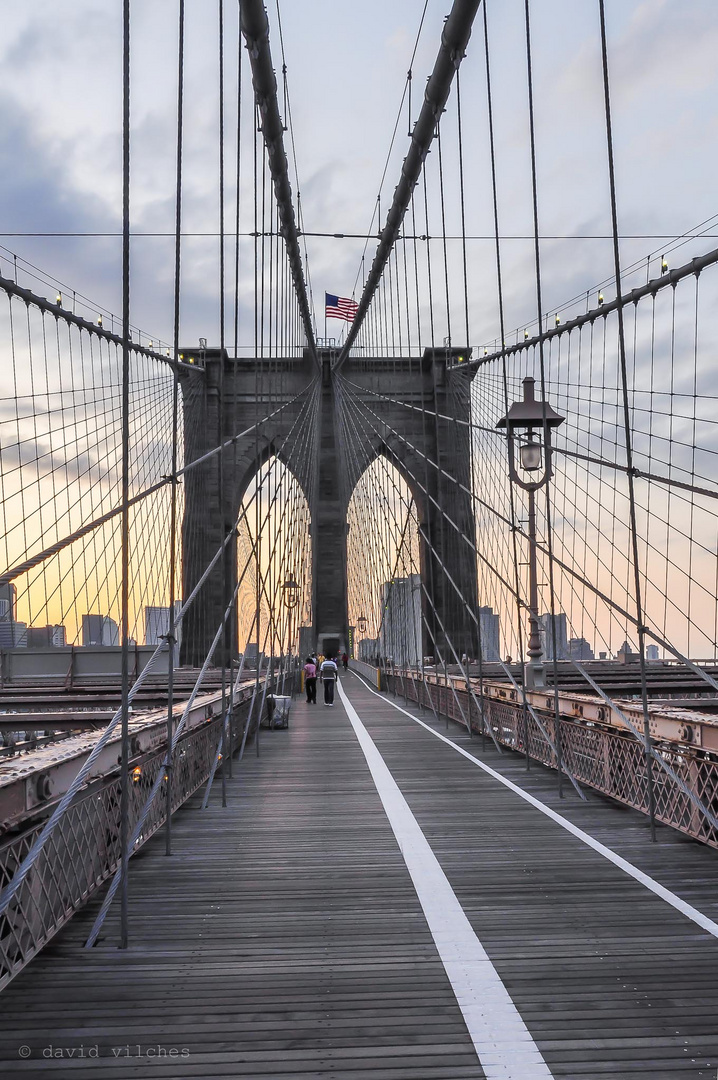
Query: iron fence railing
pixel 612 762
pixel 83 851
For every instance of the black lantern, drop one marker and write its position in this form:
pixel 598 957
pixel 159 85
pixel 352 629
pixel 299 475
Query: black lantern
pixel 290 592
pixel 526 422
pixel 362 624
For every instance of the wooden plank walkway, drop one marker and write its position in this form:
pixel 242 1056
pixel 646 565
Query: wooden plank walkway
pixel 285 939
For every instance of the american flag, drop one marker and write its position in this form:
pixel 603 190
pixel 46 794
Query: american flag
pixel 339 307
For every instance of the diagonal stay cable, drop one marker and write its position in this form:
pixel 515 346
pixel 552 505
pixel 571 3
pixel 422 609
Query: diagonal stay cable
pixel 110 895
pixel 613 604
pixel 54 549
pixel 454 39
pixel 12 887
pixel 472 615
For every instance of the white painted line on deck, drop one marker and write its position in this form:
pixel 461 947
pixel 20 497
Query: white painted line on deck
pixel 686 909
pixel 503 1043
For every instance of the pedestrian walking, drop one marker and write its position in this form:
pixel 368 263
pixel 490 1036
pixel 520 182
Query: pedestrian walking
pixel 328 673
pixel 345 661
pixel 310 681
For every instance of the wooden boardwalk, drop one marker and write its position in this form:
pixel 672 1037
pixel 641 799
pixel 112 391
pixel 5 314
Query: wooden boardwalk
pixel 285 937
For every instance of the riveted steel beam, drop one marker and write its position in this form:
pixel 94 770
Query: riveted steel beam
pixel 255 28
pixel 454 39
pixel 669 278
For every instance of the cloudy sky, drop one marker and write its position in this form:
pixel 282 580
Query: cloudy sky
pixel 60 158
pixel 347 64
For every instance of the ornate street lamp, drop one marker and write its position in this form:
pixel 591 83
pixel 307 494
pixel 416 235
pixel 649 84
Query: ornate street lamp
pixel 290 592
pixel 527 422
pixel 362 624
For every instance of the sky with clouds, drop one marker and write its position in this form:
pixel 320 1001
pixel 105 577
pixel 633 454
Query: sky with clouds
pixel 347 64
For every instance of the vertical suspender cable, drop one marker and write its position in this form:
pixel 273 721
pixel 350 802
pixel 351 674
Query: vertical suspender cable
pixel 171 635
pixel 539 306
pixel 504 372
pixel 125 520
pixel 220 403
pixel 234 644
pixel 539 301
pixel 627 426
pixel 257 595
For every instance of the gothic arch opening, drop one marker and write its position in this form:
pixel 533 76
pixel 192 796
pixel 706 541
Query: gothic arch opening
pixel 383 575
pixel 274 563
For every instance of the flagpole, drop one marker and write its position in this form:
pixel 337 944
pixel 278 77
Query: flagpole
pixel 325 320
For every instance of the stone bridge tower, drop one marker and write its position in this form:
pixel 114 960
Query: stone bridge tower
pixel 413 438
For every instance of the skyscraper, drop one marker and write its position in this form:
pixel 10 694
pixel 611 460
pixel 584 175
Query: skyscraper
pixel 43 637
pixel 489 634
pixel 8 602
pixel 157 624
pixel 579 649
pixel 400 634
pixel 13 635
pixel 99 630
pixel 548 623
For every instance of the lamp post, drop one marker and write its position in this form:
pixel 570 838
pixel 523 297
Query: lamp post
pixel 290 595
pixel 525 422
pixel 290 592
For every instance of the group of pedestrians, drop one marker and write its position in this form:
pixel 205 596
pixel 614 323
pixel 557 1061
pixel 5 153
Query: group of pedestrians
pixel 327 668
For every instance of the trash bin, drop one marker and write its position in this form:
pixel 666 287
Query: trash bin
pixel 278 708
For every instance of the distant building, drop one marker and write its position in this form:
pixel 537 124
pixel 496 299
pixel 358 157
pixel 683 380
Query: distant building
pixel 489 634
pixel 99 630
pixel 652 652
pixel 306 642
pixel 157 625
pixel 8 602
pixel 579 649
pixel 13 635
pixel 400 634
pixel 549 623
pixel 252 655
pixel 44 637
pixel 368 648
pixel 626 655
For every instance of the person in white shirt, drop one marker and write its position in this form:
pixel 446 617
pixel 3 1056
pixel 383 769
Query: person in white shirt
pixel 328 673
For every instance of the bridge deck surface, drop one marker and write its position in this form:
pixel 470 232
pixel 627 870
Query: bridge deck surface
pixel 285 937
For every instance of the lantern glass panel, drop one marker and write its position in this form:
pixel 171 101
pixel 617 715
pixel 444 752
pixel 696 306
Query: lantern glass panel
pixel 530 454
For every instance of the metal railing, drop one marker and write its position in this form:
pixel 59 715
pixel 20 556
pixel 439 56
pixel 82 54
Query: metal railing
pixel 84 850
pixel 371 673
pixel 612 762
